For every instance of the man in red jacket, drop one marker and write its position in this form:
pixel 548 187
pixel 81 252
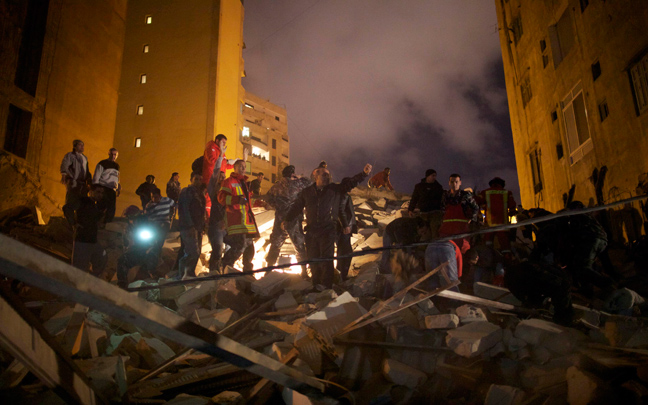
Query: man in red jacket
pixel 213 150
pixel 381 179
pixel 239 219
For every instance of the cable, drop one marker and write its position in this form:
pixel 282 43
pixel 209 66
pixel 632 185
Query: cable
pixel 396 247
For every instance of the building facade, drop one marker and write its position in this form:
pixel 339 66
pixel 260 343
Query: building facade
pixel 264 131
pixel 577 82
pixel 60 64
pixel 180 87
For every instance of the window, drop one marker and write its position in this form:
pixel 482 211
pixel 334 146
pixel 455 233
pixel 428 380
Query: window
pixel 138 142
pixel 145 48
pixel 140 110
pixel 143 78
pixel 545 53
pixel 260 153
pixel 603 110
pixel 596 70
pixel 561 37
pixel 584 4
pixel 639 77
pixel 277 118
pixel 536 172
pixel 554 116
pixel 148 19
pixel 576 126
pixel 525 89
pixel 516 27
pixel 274 144
pixel 31 33
pixel 274 160
pixel 559 151
pixel 248 167
pixel 274 178
pixel 245 132
pixel 17 135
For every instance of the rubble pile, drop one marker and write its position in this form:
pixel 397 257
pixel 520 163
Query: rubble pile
pixel 370 340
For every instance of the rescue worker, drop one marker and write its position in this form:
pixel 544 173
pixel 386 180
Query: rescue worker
pixel 459 210
pixel 281 197
pixel 381 179
pixel 498 204
pixel 213 150
pixel 239 218
pixel 426 201
pixel 322 203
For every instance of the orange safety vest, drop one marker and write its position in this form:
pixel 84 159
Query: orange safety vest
pixel 454 221
pixel 496 207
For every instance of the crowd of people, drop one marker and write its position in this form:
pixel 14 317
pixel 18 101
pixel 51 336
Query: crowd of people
pixel 561 257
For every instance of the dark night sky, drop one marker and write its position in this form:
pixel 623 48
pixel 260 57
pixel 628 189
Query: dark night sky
pixel 409 84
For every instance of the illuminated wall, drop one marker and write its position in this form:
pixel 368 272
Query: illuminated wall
pixel 190 54
pixel 577 83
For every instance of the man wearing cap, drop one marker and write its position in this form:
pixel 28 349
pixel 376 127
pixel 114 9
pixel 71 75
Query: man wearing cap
pixel 426 201
pixel 499 205
pixel 281 197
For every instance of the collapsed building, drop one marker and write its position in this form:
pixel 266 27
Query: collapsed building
pixel 269 337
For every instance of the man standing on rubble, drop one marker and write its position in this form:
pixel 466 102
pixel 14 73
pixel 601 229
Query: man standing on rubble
pixel 281 197
pixel 498 204
pixel 322 203
pixel 381 179
pixel 106 175
pixel 85 220
pixel 239 219
pixel 426 201
pixel 347 226
pixel 75 174
pixel 145 190
pixel 459 210
pixel 191 221
pixel 216 223
pixel 213 150
pixel 255 185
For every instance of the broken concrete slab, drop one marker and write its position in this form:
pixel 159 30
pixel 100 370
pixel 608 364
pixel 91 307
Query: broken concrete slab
pixel 445 321
pixel 504 395
pixel 228 398
pixel 474 338
pixel 402 374
pixel 286 301
pixel 270 284
pixel 495 293
pixel 470 313
pixel 556 338
pixel 581 386
pixel 194 294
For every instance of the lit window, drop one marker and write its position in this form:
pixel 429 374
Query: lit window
pixel 245 132
pixel 639 76
pixel 148 19
pixel 249 106
pixel 145 48
pixel 138 142
pixel 576 126
pixel 140 110
pixel 260 153
pixel 143 78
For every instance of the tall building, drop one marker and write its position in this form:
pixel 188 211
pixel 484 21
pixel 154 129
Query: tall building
pixel 577 83
pixel 180 87
pixel 264 128
pixel 60 64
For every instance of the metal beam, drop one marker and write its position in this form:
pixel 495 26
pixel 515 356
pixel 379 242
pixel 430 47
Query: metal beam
pixel 24 263
pixel 26 339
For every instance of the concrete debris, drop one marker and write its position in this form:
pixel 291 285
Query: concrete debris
pixel 402 374
pixel 445 321
pixel 474 338
pixel 477 346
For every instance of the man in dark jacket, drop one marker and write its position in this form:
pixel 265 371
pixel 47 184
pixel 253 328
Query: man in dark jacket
pixel 322 202
pixel 145 190
pixel 191 224
pixel 346 226
pixel 426 200
pixel 87 250
pixel 281 197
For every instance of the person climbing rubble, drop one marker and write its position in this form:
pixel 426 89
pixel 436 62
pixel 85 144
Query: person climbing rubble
pixel 381 179
pixel 281 197
pixel 322 204
pixel 239 219
pixel 403 231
